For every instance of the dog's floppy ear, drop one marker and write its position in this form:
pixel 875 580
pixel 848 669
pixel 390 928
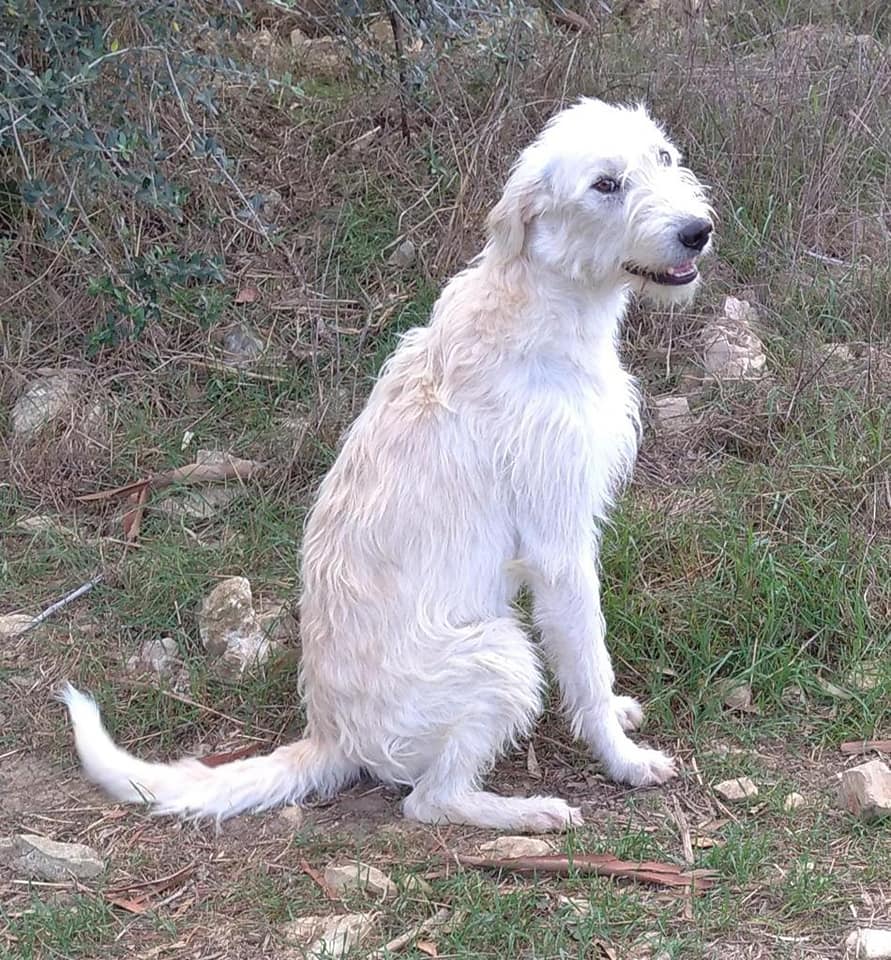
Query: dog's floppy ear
pixel 524 197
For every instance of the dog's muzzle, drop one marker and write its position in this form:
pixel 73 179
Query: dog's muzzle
pixel 694 236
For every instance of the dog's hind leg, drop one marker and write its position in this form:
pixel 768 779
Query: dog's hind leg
pixel 491 699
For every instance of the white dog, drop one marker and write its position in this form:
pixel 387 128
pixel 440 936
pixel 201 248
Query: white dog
pixel 489 450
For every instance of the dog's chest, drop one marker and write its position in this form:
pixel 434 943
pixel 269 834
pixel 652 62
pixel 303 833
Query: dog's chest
pixel 574 431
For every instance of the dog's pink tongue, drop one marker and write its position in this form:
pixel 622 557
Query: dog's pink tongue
pixel 682 269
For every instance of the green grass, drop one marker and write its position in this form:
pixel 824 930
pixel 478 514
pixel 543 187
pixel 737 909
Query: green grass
pixel 82 927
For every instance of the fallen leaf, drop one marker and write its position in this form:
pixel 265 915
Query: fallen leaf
pixel 604 865
pixel 131 906
pixel 706 843
pixel 425 946
pixel 319 880
pixel 247 295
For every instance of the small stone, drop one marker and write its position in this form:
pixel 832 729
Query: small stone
pixel 38 858
pixel 865 677
pixel 44 400
pixel 793 801
pixel 158 656
pixel 837 353
pixel 672 414
pixel 13 625
pixel 506 847
pixel 242 345
pixel 865 790
pixel 869 943
pixel 742 788
pixel 359 878
pixel 323 56
pixel 740 311
pixel 404 255
pixel 328 937
pixel 292 817
pixel 738 697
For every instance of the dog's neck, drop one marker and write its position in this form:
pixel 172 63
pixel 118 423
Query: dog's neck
pixel 552 313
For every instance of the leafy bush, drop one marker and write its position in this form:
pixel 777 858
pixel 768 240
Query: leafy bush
pixel 100 106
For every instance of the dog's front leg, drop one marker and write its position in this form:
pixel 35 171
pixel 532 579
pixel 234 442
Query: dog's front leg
pixel 568 613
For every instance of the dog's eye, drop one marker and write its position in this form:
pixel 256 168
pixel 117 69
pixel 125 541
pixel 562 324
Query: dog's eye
pixel 665 158
pixel 605 185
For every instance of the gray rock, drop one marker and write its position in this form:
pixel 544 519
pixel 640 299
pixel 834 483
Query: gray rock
pixel 359 878
pixel 865 790
pixel 43 401
pixel 291 817
pixel 672 414
pixel 40 859
pixel 739 789
pixel 242 345
pixel 236 634
pixel 201 504
pixel 869 943
pixel 328 937
pixel 404 255
pixel 738 697
pixel 505 847
pixel 235 637
pixel 731 350
pixel 13 625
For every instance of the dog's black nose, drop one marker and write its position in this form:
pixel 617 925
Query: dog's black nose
pixel 694 235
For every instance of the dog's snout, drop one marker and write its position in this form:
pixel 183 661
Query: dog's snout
pixel 694 234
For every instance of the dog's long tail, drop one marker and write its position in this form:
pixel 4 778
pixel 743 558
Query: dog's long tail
pixel 192 789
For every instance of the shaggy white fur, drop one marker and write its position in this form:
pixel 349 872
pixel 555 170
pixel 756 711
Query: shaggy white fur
pixel 488 453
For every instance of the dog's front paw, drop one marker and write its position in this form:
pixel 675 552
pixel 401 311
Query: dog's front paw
pixel 641 767
pixel 629 712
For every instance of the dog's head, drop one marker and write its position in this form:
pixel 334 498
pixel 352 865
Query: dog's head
pixel 601 197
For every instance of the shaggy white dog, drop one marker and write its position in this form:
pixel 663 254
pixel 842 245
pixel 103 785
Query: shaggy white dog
pixel 489 450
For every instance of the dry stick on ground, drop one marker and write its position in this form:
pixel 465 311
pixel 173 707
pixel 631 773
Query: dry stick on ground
pixel 396 27
pixel 602 865
pixel 854 747
pixel 68 598
pixel 687 846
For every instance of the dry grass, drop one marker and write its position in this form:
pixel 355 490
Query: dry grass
pixel 750 549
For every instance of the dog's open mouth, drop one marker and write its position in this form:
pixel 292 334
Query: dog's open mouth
pixel 683 273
